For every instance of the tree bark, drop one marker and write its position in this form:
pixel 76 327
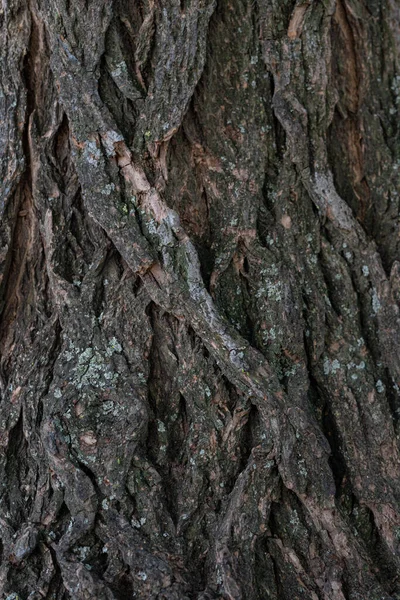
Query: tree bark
pixel 199 295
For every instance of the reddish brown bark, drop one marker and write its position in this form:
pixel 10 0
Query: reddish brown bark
pixel 199 287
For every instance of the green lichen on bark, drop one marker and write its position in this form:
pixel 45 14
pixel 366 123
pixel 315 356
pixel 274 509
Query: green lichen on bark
pixel 199 287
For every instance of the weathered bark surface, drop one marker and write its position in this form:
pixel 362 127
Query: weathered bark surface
pixel 199 295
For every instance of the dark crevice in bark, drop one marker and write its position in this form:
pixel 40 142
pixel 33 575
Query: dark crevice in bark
pixel 323 411
pixel 362 519
pixel 249 437
pixel 16 465
pixel 152 446
pixel 163 436
pixel 62 150
pixel 88 472
pixel 331 432
pixel 277 574
pixel 122 108
pixel 124 588
pixel 346 588
pixel 265 222
pixel 60 526
pixel 207 261
pixel 393 400
pixel 53 355
pixel 21 209
pixel 56 587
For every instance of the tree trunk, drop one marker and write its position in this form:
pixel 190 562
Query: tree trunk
pixel 199 299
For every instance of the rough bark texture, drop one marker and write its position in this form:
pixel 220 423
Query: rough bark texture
pixel 199 299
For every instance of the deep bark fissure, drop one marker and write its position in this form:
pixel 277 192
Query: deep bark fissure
pixel 199 337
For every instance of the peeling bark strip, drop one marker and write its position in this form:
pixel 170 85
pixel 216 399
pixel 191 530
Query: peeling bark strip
pixel 199 299
pixel 297 21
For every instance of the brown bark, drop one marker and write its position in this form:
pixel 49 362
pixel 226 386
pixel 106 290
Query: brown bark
pixel 199 295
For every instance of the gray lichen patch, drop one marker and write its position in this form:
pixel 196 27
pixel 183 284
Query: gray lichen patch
pixel 93 369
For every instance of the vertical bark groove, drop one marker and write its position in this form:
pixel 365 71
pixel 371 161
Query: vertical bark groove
pixel 199 286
